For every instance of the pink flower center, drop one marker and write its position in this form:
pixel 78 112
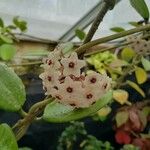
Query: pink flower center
pixel 93 80
pixel 58 97
pixel 69 90
pixel 72 104
pixel 49 78
pixel 49 62
pixel 105 85
pixel 89 96
pixel 71 65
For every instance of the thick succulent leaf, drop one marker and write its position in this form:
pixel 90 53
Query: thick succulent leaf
pixel 146 64
pixel 80 34
pixel 127 54
pixel 143 118
pixel 7 51
pixel 133 23
pixel 141 7
pixel 117 29
pixel 146 110
pixel 12 91
pixel 121 118
pixel 141 75
pixel 121 96
pixel 55 112
pixel 7 138
pixel 136 87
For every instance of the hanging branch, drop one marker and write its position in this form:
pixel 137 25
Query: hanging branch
pixel 105 7
pixel 83 48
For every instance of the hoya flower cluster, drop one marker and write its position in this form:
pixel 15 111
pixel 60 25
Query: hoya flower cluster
pixel 140 45
pixel 64 80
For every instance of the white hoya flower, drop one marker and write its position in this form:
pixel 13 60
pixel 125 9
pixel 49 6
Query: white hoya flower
pixel 72 65
pixel 139 45
pixel 64 80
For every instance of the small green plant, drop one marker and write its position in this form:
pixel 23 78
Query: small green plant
pixel 71 135
pixel 7 37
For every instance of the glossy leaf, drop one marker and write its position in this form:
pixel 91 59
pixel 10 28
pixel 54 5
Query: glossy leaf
pixel 121 118
pixel 143 118
pixel 80 34
pixel 103 112
pixel 1 23
pixel 56 112
pixel 6 39
pixel 146 64
pixel 21 24
pixel 12 91
pixel 127 54
pixel 121 96
pixel 146 110
pixel 8 141
pixel 136 87
pixel 141 7
pixel 7 51
pixel 117 29
pixel 135 24
pixel 141 75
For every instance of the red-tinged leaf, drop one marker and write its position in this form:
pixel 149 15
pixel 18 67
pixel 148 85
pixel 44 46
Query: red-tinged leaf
pixel 122 137
pixel 139 143
pixel 134 118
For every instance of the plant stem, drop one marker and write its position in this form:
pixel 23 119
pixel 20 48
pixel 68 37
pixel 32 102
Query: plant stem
pixel 105 7
pixel 26 64
pixel 83 48
pixel 22 125
pixel 113 47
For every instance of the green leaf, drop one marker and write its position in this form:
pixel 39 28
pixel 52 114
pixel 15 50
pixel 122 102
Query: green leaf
pixel 146 110
pixel 21 24
pixel 121 118
pixel 146 64
pixel 145 136
pixel 25 148
pixel 127 54
pixel 12 90
pixel 1 23
pixel 7 51
pixel 12 27
pixel 121 96
pixel 80 34
pixel 141 75
pixel 55 112
pixel 136 87
pixel 135 24
pixel 6 39
pixel 141 7
pixel 67 47
pixel 8 141
pixel 143 118
pixel 117 29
